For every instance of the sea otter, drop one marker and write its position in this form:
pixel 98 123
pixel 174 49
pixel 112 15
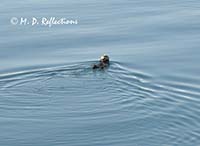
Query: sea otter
pixel 103 62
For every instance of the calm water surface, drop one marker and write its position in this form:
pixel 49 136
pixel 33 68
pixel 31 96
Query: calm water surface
pixel 149 96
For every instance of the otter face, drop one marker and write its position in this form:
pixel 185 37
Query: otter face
pixel 104 59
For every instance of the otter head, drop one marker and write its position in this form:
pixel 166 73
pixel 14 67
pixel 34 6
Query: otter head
pixel 105 59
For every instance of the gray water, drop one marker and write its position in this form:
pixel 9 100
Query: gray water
pixel 149 96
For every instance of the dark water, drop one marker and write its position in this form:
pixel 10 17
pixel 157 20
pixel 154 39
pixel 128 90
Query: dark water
pixel 149 96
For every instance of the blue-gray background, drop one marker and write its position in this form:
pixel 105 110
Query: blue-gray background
pixel 148 96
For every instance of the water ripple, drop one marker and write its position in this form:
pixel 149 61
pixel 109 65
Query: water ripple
pixel 121 101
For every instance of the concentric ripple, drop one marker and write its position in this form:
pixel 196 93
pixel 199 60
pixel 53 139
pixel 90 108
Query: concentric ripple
pixel 121 105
